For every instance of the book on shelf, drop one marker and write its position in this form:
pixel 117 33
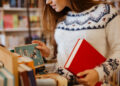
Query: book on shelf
pixel 10 21
pixel 9 76
pixel 1 20
pixel 83 56
pixel 27 61
pixel 19 3
pixel 23 77
pixel 6 78
pixel 3 79
pixel 32 52
pixel 30 74
pixel 12 3
pixel 2 39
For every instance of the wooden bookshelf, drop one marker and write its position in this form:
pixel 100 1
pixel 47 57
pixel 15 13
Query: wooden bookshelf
pixel 18 9
pixel 22 31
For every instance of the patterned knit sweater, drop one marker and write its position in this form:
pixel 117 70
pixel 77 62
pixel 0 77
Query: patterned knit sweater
pixel 100 26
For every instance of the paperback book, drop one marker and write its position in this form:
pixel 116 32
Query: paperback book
pixel 32 52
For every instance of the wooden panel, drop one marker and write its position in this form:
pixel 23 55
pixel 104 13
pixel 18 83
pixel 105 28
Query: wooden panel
pixel 10 62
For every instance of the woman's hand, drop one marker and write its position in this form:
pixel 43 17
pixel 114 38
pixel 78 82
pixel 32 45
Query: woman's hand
pixel 45 51
pixel 90 78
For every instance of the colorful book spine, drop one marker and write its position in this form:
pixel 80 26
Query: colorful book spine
pixel 4 79
pixel 32 78
pixel 24 78
pixel 9 76
pixel 1 20
pixel 8 21
pixel 12 3
pixel 1 81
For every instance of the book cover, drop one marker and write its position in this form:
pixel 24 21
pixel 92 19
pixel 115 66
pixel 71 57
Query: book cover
pixel 83 56
pixel 32 52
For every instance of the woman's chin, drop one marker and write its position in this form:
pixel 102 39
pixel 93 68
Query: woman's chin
pixel 57 10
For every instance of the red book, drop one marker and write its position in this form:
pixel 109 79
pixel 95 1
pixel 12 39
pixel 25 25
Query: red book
pixel 83 56
pixel 8 21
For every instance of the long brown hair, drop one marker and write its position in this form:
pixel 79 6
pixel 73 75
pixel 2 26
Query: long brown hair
pixel 49 17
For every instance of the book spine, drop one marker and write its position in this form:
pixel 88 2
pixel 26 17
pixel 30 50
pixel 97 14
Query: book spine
pixel 1 20
pixel 19 3
pixel 5 79
pixel 71 54
pixel 32 78
pixel 12 3
pixel 22 3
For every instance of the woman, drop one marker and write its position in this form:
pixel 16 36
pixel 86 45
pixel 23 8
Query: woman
pixel 68 20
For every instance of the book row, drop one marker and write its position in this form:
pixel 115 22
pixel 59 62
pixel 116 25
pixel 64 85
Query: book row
pixel 19 3
pixel 18 21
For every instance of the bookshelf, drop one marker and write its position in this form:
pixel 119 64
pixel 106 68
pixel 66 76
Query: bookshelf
pixel 19 30
pixel 14 34
pixel 18 9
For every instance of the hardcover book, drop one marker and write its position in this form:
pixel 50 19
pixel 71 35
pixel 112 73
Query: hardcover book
pixel 83 56
pixel 32 52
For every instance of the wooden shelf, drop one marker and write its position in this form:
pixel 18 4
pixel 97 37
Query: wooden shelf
pixel 18 9
pixel 18 30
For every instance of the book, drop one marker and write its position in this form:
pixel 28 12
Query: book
pixel 32 52
pixel 12 3
pixel 23 76
pixel 30 74
pixel 83 56
pixel 8 21
pixel 1 20
pixel 27 61
pixel 4 83
pixel 60 80
pixel 1 80
pixel 9 76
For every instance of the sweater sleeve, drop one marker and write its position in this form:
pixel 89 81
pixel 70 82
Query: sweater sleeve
pixel 113 61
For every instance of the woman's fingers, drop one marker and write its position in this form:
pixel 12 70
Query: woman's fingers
pixel 83 81
pixel 40 47
pixel 82 74
pixel 38 42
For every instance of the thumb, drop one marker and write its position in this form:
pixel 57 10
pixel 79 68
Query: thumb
pixel 80 74
pixel 39 47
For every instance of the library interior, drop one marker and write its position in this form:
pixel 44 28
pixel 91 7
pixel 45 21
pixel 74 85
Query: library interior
pixel 22 59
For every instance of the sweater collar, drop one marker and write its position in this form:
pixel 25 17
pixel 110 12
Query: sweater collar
pixel 86 12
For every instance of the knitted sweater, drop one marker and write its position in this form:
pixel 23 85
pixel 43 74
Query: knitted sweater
pixel 100 26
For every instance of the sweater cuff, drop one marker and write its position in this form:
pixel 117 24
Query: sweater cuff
pixel 100 71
